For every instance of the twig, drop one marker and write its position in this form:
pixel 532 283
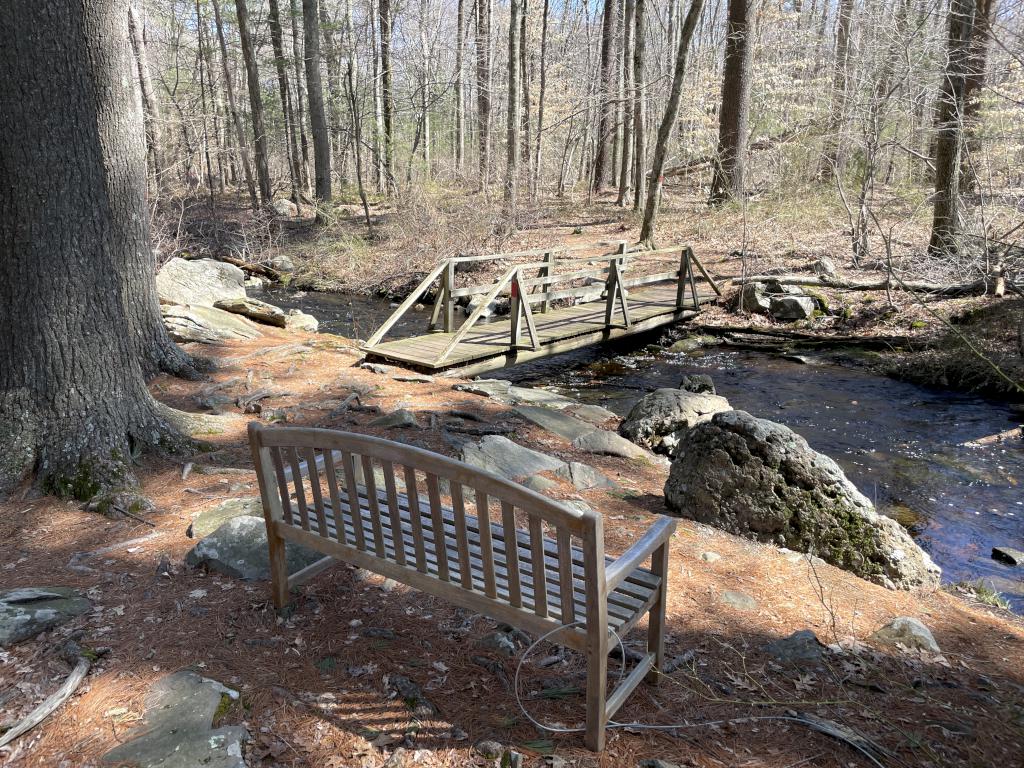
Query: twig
pixel 40 713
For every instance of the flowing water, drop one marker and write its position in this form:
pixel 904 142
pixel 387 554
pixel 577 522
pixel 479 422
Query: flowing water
pixel 899 443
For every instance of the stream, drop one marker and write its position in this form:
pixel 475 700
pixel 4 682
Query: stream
pixel 899 443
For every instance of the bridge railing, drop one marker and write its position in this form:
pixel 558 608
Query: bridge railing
pixel 528 283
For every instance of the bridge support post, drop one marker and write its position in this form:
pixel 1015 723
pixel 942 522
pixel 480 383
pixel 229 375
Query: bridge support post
pixel 449 302
pixel 549 271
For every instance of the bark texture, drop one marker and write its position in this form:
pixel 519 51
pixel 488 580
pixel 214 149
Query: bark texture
pixel 387 94
pixel 255 102
pixel 727 182
pixel 77 293
pixel 317 113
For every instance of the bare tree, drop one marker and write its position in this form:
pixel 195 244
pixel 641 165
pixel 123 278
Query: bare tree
pixel 387 96
pixel 834 157
pixel 626 165
pixel 512 130
pixel 668 122
pixel 607 114
pixel 255 102
pixel 151 107
pixel 639 130
pixel 291 135
pixel 483 87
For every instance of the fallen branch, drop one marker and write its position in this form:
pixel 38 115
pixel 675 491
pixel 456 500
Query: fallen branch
pixel 40 713
pixel 246 266
pixel 912 286
pixel 805 336
pixel 1010 434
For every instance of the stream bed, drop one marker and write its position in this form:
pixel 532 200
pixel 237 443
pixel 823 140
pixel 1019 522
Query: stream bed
pixel 898 442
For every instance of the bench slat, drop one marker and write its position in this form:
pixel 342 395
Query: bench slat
pixel 282 485
pixel 412 496
pixel 539 565
pixel 372 497
pixel 309 454
pixel 486 546
pixel 300 493
pixel 508 520
pixel 392 494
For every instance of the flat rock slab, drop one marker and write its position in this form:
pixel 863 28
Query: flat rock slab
pixel 584 477
pixel 595 414
pixel 415 378
pixel 601 441
pixel 209 520
pixel 239 549
pixel 562 424
pixel 507 393
pixel 739 600
pixel 27 611
pixel 500 455
pixel 177 731
pixel 254 309
pixel 199 281
pixel 206 325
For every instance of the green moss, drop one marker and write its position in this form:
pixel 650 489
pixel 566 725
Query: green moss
pixel 82 486
pixel 918 325
pixel 223 707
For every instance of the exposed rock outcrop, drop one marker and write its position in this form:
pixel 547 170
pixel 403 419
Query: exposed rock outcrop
pixel 655 420
pixel 760 479
pixel 27 611
pixel 254 309
pixel 206 325
pixel 199 281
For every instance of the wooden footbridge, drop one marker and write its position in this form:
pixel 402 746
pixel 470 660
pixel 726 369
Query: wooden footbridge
pixel 558 301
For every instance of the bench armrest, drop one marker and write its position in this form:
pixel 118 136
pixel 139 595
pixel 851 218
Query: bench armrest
pixel 631 559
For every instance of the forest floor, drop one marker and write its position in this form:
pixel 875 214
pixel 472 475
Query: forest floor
pixel 973 343
pixel 312 685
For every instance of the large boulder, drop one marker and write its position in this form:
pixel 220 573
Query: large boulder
pixel 199 281
pixel 653 422
pixel 760 479
pixel 27 611
pixel 791 308
pixel 206 325
pixel 753 299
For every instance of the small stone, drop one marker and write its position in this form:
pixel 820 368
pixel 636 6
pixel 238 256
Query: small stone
pixel 790 308
pixel 285 208
pixel 400 419
pixel 239 549
pixel 908 632
pixel 824 267
pixel 799 646
pixel 497 642
pixel 656 763
pixel 698 383
pixel 27 611
pixel 300 321
pixel 1008 555
pixel 376 368
pixel 209 520
pixel 283 263
pixel 491 750
pixel 752 298
pixel 412 695
pixel 379 633
pixel 400 758
pixel 710 557
pixel 595 414
pixel 691 344
pixel 741 601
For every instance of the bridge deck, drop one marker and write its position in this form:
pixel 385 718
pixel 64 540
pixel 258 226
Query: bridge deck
pixel 488 346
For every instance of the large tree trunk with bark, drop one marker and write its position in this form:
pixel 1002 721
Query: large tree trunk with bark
pixel 387 95
pixel 252 76
pixel 300 98
pixel 668 122
pixel 626 167
pixel 727 180
pixel 483 87
pixel 535 178
pixel 512 129
pixel 317 113
pixel 606 119
pixel 947 214
pixel 977 63
pixel 460 97
pixel 833 159
pixel 79 319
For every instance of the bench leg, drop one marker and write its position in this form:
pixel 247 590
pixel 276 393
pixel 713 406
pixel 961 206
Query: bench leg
pixel 278 569
pixel 656 617
pixel 597 681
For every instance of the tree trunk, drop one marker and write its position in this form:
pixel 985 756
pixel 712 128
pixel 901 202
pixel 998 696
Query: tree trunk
pixel 378 110
pixel 460 97
pixel 946 218
pixel 628 99
pixel 727 181
pixel 425 88
pixel 535 183
pixel 512 130
pixel 300 99
pixel 151 107
pixel 483 87
pixel 252 77
pixel 203 80
pixel 236 121
pixel 79 319
pixel 981 35
pixel 291 137
pixel 639 137
pixel 668 123
pixel 387 97
pixel 317 113
pixel 607 116
pixel 335 87
pixel 834 157
pixel 357 129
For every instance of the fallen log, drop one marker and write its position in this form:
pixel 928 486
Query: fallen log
pixel 1010 434
pixel 913 286
pixel 806 337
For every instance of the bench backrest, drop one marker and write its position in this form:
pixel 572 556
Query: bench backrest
pixel 468 529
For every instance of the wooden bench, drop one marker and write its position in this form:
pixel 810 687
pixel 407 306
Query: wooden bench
pixel 522 558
